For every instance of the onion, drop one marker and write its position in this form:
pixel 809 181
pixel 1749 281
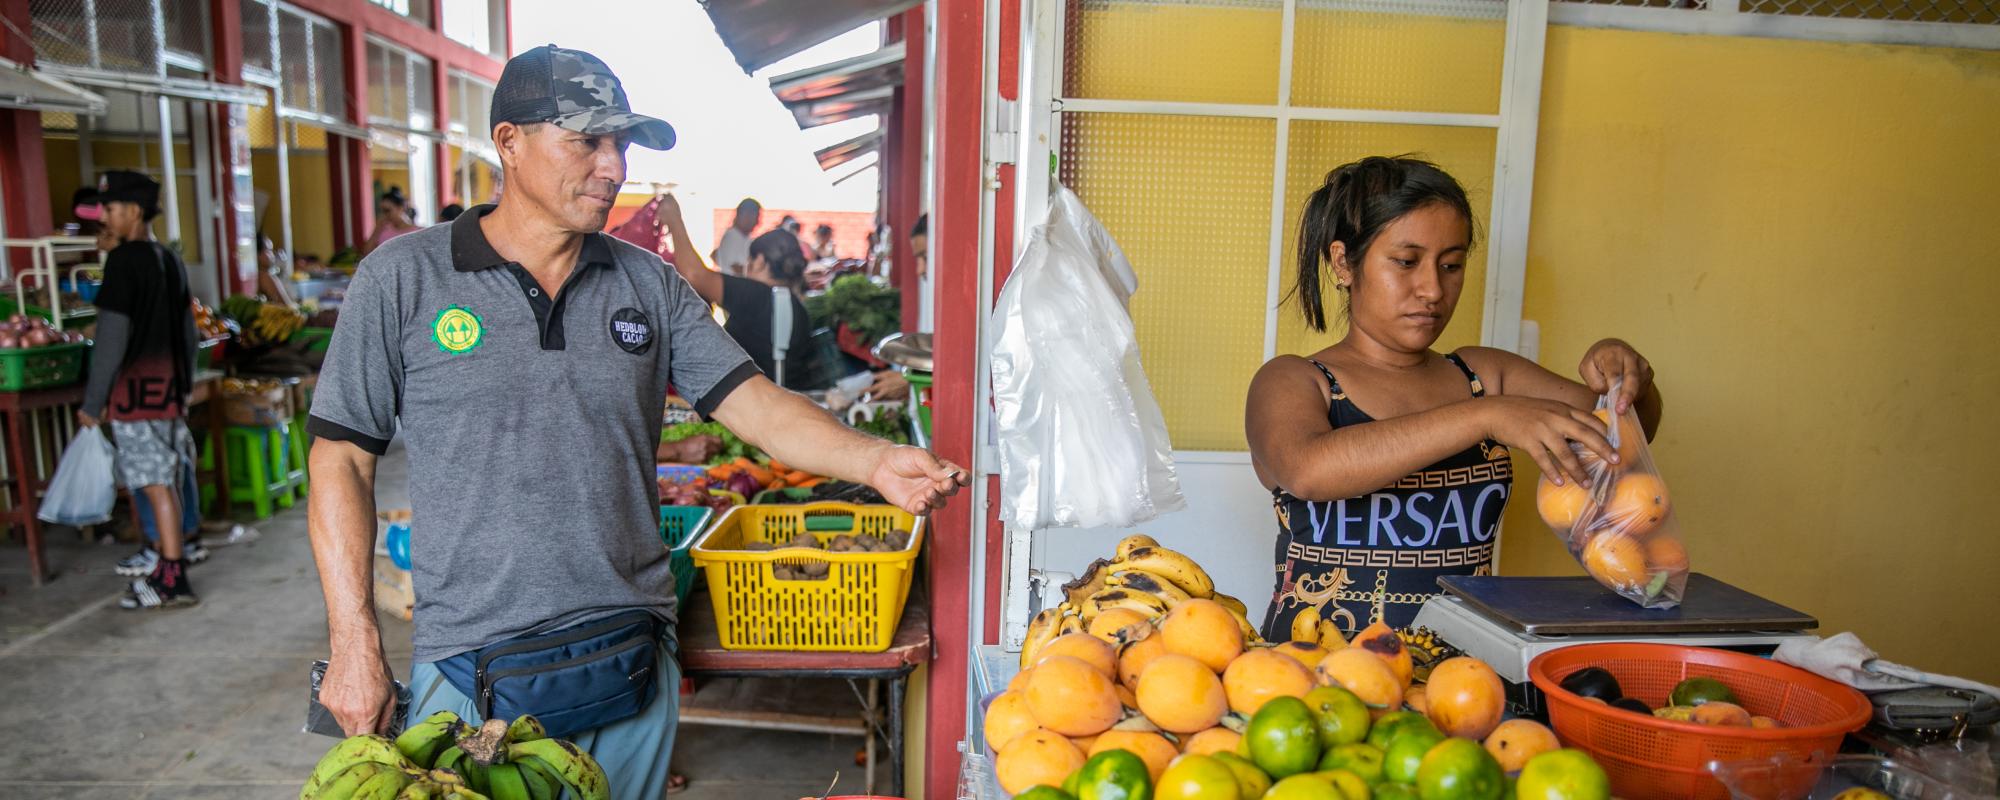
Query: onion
pixel 36 338
pixel 9 342
pixel 17 319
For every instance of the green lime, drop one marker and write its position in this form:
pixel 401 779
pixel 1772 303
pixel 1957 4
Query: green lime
pixel 1342 717
pixel 1351 786
pixel 1284 737
pixel 1251 782
pixel 1399 762
pixel 1069 783
pixel 1197 777
pixel 1695 691
pixel 1307 786
pixel 1566 774
pixel 1043 792
pixel 1360 758
pixel 1393 724
pixel 1460 769
pixel 1113 775
pixel 1395 791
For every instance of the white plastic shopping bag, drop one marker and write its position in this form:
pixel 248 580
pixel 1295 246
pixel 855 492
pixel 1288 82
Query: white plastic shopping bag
pixel 83 489
pixel 1082 441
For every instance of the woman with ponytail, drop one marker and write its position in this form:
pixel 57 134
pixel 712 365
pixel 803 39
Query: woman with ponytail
pixel 1388 462
pixel 776 260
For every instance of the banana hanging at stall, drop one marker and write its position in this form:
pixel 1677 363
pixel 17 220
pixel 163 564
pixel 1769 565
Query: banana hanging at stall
pixel 1145 577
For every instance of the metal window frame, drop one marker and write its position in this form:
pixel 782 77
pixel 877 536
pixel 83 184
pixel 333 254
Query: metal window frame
pixel 1726 18
pixel 397 50
pixel 1043 104
pixel 316 25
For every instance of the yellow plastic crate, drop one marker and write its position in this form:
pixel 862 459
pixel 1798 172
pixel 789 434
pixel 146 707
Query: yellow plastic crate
pixel 855 608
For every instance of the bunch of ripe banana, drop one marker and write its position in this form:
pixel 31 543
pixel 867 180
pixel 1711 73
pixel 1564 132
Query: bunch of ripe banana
pixel 273 324
pixel 443 757
pixel 1142 576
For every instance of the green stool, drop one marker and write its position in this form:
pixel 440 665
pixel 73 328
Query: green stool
pixel 296 444
pixel 259 469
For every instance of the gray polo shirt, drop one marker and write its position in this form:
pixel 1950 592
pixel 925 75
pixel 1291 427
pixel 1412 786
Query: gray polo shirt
pixel 531 423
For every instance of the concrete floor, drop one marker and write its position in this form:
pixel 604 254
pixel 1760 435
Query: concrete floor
pixel 99 703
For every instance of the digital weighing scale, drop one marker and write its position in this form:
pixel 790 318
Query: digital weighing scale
pixel 1507 622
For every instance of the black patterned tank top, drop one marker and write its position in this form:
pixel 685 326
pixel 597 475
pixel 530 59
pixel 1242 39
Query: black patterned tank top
pixel 1377 558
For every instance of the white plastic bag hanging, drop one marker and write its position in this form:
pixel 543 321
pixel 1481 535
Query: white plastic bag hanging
pixel 83 489
pixel 1082 441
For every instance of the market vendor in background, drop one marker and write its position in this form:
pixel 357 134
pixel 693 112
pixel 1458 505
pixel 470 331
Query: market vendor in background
pixel 775 261
pixel 1388 462
pixel 526 357
pixel 392 219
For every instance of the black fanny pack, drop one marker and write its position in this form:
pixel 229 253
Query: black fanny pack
pixel 576 679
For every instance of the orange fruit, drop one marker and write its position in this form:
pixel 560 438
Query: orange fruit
pixel 1465 698
pixel 1765 723
pixel 1261 674
pixel 1213 740
pixel 1517 740
pixel 1007 717
pixel 1133 659
pixel 1181 694
pixel 1308 654
pixel 1020 680
pixel 1205 631
pixel 1561 506
pixel 1125 695
pixel 1366 675
pixel 1665 554
pixel 1092 650
pixel 1717 712
pixel 1072 698
pixel 1039 756
pixel 1151 748
pixel 1416 699
pixel 1631 437
pixel 1381 641
pixel 1083 743
pixel 1638 504
pixel 1106 625
pixel 1615 560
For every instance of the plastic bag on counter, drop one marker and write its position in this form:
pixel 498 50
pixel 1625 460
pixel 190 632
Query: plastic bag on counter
pixel 83 488
pixel 1082 441
pixel 1621 527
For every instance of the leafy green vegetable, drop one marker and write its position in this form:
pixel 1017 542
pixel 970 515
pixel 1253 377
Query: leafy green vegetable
pixel 887 424
pixel 872 310
pixel 732 448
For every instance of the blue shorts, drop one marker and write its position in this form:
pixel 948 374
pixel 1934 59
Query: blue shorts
pixel 633 752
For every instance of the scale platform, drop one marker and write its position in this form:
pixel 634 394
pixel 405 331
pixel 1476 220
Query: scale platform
pixel 1506 622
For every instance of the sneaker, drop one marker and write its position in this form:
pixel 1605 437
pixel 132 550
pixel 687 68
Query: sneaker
pixel 193 552
pixel 141 564
pixel 167 587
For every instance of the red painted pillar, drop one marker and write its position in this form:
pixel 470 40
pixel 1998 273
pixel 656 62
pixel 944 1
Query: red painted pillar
pixel 355 166
pixel 905 164
pixel 954 256
pixel 234 274
pixel 22 174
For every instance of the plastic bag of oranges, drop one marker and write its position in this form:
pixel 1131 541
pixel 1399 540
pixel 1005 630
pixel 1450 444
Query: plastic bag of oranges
pixel 1621 527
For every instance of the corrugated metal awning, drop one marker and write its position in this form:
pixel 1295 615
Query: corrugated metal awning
pixel 844 89
pixel 30 89
pixel 849 150
pixel 763 32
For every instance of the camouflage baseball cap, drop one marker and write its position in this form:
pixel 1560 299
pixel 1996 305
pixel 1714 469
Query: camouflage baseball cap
pixel 574 90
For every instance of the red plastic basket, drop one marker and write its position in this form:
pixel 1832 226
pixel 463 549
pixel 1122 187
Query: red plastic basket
pixel 1648 757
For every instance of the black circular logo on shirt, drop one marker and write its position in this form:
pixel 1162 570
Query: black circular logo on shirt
pixel 632 331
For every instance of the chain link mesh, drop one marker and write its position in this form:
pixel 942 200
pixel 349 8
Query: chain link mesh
pixel 62 32
pixel 187 27
pixel 1694 5
pixel 329 69
pixel 295 62
pixel 259 50
pixel 1976 12
pixel 118 35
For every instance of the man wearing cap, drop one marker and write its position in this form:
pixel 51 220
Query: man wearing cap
pixel 141 374
pixel 526 357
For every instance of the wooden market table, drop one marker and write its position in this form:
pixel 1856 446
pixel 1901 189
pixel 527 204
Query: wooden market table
pixel 702 656
pixel 28 457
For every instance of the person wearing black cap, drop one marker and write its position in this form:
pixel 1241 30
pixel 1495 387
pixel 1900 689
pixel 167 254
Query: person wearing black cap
pixel 141 374
pixel 525 357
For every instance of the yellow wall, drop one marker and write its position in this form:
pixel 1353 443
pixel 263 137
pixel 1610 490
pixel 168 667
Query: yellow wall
pixel 313 204
pixel 60 158
pixel 1800 236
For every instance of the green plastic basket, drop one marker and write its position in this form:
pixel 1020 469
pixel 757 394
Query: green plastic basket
pixel 40 367
pixel 678 527
pixel 920 385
